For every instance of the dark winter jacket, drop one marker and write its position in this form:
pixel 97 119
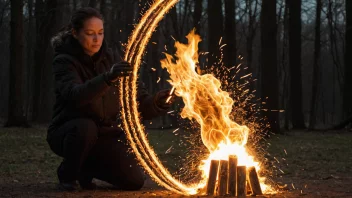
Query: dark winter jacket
pixel 81 90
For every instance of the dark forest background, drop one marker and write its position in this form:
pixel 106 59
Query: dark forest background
pixel 298 50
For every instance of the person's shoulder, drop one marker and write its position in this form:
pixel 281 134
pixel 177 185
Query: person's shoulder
pixel 64 58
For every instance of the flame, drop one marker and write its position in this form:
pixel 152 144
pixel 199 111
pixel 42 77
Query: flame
pixel 209 106
pixel 219 131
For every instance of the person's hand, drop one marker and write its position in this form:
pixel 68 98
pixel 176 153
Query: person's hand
pixel 121 69
pixel 164 99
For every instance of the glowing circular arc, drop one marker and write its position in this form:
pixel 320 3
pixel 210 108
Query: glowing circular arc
pixel 129 107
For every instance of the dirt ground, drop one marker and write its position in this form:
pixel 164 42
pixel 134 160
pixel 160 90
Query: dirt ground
pixel 308 164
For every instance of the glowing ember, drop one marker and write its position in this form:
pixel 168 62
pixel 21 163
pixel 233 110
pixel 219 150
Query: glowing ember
pixel 205 102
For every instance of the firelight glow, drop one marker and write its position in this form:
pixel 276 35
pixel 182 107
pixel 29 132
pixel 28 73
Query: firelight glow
pixel 204 101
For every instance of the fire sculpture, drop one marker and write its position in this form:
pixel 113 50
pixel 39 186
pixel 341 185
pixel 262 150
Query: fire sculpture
pixel 220 134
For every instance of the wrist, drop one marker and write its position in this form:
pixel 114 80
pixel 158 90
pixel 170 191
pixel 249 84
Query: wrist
pixel 106 78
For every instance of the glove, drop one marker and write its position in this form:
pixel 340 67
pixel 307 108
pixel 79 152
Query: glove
pixel 121 69
pixel 163 99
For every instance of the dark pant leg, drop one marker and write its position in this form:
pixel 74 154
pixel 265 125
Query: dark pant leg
pixel 73 141
pixel 115 164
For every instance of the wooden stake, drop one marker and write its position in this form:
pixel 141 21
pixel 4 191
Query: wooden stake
pixel 254 181
pixel 223 173
pixel 213 173
pixel 231 181
pixel 241 181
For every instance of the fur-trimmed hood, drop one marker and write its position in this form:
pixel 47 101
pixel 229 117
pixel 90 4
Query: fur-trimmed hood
pixel 58 39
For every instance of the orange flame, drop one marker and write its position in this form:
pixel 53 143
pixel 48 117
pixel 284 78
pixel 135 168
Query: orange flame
pixel 208 105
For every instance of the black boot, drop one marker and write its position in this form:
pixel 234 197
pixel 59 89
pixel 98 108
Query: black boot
pixel 86 182
pixel 66 182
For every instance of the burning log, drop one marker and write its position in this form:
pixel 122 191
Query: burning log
pixel 213 173
pixel 223 173
pixel 231 182
pixel 254 181
pixel 241 181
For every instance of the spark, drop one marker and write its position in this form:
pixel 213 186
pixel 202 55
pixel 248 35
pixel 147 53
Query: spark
pixel 171 92
pixel 158 80
pixel 223 46
pixel 175 130
pixel 220 40
pixel 168 150
pixel 245 76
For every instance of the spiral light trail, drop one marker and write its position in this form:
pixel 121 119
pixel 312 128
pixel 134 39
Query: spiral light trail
pixel 130 116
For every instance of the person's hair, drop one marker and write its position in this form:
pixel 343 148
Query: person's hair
pixel 76 23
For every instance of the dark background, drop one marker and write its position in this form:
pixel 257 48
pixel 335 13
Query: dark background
pixel 296 49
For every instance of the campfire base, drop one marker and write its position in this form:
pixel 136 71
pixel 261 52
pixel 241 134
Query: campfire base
pixel 226 178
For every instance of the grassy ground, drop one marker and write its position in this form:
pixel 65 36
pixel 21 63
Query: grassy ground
pixel 310 164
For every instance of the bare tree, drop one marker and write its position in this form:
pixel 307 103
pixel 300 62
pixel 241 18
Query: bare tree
pixel 333 40
pixel 30 43
pixel 16 115
pixel 316 66
pixel 230 33
pixel 2 13
pixel 252 29
pixel 347 93
pixel 215 30
pixel 46 22
pixel 269 80
pixel 93 3
pixel 295 63
pixel 197 14
pixel 105 8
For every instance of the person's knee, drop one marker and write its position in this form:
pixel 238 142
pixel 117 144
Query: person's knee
pixel 86 131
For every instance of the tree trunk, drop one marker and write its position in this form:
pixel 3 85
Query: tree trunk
pixel 74 5
pixel 46 21
pixel 16 115
pixel 175 23
pixel 230 33
pixel 316 68
pixel 270 93
pixel 215 30
pixel 335 53
pixel 93 3
pixel 295 63
pixel 285 73
pixel 29 72
pixel 252 30
pixel 197 14
pixel 129 13
pixel 347 93
pixel 105 9
pixel 38 58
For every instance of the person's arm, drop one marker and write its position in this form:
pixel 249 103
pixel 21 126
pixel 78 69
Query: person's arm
pixel 147 104
pixel 71 87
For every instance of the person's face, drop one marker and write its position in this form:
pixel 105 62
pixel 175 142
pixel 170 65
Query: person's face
pixel 91 35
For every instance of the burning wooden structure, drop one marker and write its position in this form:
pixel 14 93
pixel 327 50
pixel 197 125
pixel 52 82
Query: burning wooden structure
pixel 227 178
